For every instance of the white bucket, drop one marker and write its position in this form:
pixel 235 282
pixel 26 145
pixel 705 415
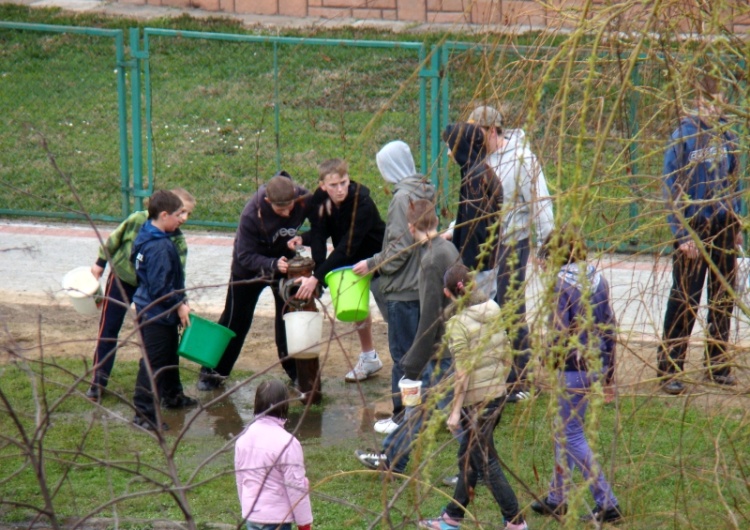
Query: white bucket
pixel 411 392
pixel 303 332
pixel 84 290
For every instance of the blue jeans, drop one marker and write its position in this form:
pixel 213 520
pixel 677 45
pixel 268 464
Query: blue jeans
pixel 397 445
pixel 571 447
pixel 272 526
pixel 402 328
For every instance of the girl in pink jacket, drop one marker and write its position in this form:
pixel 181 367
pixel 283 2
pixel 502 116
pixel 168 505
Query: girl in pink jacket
pixel 270 468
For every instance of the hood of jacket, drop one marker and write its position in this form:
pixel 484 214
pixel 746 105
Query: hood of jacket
pixel 514 139
pixel 467 145
pixel 571 274
pixel 395 162
pixel 417 187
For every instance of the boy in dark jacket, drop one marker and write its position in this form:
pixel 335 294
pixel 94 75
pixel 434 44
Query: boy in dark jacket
pixel 344 211
pixel 702 195
pixel 271 218
pixel 162 307
pixel 478 221
pixel 121 285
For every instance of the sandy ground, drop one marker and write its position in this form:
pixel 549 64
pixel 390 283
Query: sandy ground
pixel 35 325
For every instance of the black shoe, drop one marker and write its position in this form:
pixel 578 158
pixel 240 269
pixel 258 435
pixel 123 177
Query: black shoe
pixel 721 379
pixel 673 387
pixel 143 423
pixel 544 507
pixel 207 383
pixel 600 515
pixel 180 401
pixel 95 393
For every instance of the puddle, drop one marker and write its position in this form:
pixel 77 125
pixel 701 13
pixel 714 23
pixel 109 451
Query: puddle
pixel 341 417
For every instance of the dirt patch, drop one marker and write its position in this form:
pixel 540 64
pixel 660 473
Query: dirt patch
pixel 35 326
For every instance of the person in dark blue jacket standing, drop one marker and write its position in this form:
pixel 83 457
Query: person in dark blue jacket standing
pixel 701 191
pixel 161 308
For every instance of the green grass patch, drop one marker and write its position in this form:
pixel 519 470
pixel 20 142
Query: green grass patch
pixel 670 464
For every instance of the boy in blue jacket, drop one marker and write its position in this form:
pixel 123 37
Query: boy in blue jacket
pixel 701 191
pixel 162 307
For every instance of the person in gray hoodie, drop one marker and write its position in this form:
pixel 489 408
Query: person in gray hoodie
pixel 398 263
pixel 526 203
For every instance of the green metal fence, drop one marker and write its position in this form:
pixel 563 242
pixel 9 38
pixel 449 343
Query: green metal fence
pixel 220 113
pixel 63 101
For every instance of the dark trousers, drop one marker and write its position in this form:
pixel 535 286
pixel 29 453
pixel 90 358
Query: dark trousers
pixel 239 308
pixel 402 328
pixel 511 289
pixel 477 454
pixel 160 343
pixel 688 278
pixel 117 299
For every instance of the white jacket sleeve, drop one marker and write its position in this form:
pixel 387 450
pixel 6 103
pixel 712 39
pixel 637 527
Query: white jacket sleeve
pixel 536 194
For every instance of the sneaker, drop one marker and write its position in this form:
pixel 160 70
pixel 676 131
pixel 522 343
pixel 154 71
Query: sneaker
pixel 545 507
pixel 440 523
pixel 520 394
pixel 452 481
pixel 600 515
pixel 372 460
pixel 673 387
pixel 386 426
pixel 143 423
pixel 95 393
pixel 180 401
pixel 721 379
pixel 364 369
pixel 516 526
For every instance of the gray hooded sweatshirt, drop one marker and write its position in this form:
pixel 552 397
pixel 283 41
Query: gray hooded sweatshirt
pixel 398 262
pixel 526 200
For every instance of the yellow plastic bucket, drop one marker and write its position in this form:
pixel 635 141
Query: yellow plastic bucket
pixel 204 342
pixel 350 294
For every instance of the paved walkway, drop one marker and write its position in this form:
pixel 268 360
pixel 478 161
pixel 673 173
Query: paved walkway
pixel 34 258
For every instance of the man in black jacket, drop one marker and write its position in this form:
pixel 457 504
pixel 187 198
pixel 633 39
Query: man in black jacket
pixel 344 211
pixel 271 218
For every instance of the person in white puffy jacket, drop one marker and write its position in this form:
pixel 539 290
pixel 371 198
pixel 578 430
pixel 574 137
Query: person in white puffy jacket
pixel 527 204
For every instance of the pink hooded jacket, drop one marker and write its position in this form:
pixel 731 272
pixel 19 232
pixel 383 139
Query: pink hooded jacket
pixel 270 471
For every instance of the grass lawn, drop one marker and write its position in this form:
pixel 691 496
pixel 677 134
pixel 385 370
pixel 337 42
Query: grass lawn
pixel 598 124
pixel 671 465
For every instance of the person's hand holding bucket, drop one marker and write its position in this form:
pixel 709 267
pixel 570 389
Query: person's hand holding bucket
pixel 184 313
pixel 411 392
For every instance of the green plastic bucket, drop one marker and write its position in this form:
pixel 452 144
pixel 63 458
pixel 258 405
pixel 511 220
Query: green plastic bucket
pixel 204 341
pixel 350 294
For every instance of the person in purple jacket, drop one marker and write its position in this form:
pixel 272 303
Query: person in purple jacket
pixel 271 218
pixel 582 348
pixel 702 196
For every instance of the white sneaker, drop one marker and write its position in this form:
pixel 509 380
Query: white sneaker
pixel 386 426
pixel 364 369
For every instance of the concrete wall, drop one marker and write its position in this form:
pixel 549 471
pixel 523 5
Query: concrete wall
pixel 679 16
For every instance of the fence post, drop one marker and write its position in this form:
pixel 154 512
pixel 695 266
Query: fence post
pixel 122 111
pixel 135 103
pixel 635 78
